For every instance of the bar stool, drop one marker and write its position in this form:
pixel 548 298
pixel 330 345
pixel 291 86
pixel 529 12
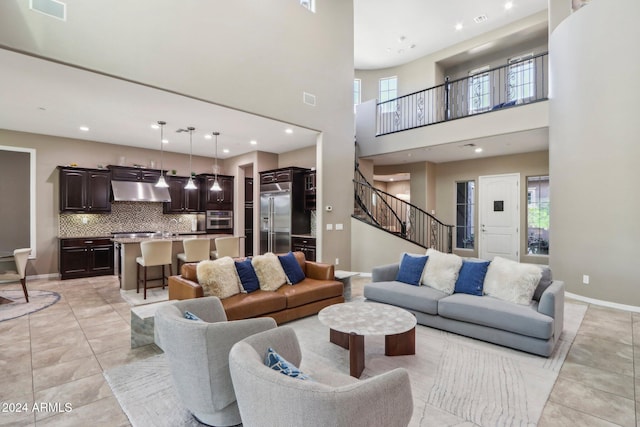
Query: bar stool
pixel 226 246
pixel 154 253
pixel 20 258
pixel 195 250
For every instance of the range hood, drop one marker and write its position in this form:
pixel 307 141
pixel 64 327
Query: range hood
pixel 131 191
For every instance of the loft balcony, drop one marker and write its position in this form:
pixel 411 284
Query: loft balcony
pixel 505 99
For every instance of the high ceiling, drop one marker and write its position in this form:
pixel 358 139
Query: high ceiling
pixel 388 33
pixel 45 97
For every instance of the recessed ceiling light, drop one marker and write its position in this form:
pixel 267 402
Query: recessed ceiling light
pixel 478 150
pixel 208 136
pixel 508 5
pixel 225 150
pixel 253 142
pixel 459 26
pixel 165 141
pixel 390 179
pixel 155 126
pixel 288 130
pixel 84 128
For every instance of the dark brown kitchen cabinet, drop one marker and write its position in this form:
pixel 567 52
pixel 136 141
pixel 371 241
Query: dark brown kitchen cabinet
pixel 310 190
pixel 216 200
pixel 85 257
pixel 306 245
pixel 85 190
pixel 182 200
pixel 126 173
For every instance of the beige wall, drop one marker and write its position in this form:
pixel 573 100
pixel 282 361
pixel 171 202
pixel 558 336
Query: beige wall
pixel 288 51
pixel 422 181
pixel 594 151
pixel 304 158
pixel 529 164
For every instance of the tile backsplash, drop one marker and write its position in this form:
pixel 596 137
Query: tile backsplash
pixel 124 217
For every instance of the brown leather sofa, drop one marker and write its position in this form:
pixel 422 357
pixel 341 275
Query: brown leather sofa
pixel 319 289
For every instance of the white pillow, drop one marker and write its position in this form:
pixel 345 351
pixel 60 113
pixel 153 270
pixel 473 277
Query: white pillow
pixel 270 273
pixel 441 271
pixel 511 281
pixel 218 278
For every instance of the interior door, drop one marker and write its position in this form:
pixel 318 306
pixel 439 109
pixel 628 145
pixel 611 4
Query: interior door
pixel 499 216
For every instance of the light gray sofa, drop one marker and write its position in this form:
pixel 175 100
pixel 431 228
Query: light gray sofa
pixel 268 398
pixel 534 328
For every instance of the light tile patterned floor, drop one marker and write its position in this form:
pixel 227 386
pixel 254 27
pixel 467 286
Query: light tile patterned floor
pixel 57 355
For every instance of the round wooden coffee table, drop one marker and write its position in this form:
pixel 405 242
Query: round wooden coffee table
pixel 349 323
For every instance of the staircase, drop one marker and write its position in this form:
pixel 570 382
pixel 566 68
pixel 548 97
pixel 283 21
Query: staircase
pixel 398 217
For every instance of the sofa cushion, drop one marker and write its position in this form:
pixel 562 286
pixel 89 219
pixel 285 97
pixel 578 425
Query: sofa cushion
pixel 511 281
pixel 498 314
pixel 417 298
pixel 269 271
pixel 441 271
pixel 411 268
pixel 247 275
pixel 255 304
pixel 471 277
pixel 545 281
pixel 218 278
pixel 291 268
pixel 310 290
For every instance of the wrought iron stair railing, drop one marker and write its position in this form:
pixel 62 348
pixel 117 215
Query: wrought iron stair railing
pixel 394 215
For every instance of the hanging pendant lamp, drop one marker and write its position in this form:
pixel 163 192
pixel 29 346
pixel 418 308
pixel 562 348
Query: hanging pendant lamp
pixel 190 185
pixel 161 181
pixel 216 186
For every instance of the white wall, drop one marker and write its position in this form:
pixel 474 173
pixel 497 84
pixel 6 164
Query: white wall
pixel 594 150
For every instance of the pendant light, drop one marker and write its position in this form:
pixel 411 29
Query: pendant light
pixel 216 186
pixel 190 185
pixel 161 182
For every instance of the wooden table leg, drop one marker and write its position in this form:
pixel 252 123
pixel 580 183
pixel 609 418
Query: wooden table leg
pixel 339 338
pixel 356 355
pixel 400 344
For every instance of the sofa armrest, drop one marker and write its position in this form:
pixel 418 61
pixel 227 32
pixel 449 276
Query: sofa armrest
pixel 181 288
pixel 385 273
pixel 319 271
pixel 552 304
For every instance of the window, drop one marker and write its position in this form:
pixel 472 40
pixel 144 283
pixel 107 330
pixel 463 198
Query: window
pixel 388 90
pixel 309 4
pixel 538 215
pixel 465 212
pixel 479 90
pixel 521 78
pixel 357 93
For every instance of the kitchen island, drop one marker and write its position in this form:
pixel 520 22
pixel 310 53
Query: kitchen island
pixel 129 249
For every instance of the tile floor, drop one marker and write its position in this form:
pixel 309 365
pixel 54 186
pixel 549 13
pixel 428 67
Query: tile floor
pixel 58 354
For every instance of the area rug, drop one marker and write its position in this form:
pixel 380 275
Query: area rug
pixel 454 379
pixel 37 301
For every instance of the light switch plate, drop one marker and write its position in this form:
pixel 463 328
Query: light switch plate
pixel 329 226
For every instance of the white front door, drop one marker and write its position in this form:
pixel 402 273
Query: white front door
pixel 499 216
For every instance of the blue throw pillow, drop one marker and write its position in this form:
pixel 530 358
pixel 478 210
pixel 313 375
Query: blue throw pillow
pixel 280 364
pixel 411 268
pixel 471 277
pixel 291 268
pixel 189 315
pixel 247 275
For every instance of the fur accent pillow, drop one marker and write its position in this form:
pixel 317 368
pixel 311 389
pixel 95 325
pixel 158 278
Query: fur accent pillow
pixel 218 278
pixel 511 281
pixel 441 271
pixel 269 271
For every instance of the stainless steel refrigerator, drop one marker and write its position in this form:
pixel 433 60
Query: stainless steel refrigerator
pixel 281 214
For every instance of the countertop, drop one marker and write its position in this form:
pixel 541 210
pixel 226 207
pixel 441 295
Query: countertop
pixel 304 236
pixel 110 236
pixel 174 238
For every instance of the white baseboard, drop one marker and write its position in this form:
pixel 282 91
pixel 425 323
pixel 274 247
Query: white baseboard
pixel 609 304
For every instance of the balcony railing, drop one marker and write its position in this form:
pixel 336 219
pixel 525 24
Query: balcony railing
pixel 518 83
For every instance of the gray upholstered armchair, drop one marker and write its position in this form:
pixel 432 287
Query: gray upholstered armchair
pixel 269 398
pixel 198 355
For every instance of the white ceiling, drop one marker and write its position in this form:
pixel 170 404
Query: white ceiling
pixel 41 96
pixel 380 26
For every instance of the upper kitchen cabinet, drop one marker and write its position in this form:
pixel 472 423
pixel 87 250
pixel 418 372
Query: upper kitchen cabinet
pixel 182 200
pixel 216 200
pixel 310 190
pixel 84 190
pixel 125 173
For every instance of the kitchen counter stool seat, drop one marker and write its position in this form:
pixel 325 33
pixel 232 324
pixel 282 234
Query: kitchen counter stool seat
pixel 154 253
pixel 226 246
pixel 195 250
